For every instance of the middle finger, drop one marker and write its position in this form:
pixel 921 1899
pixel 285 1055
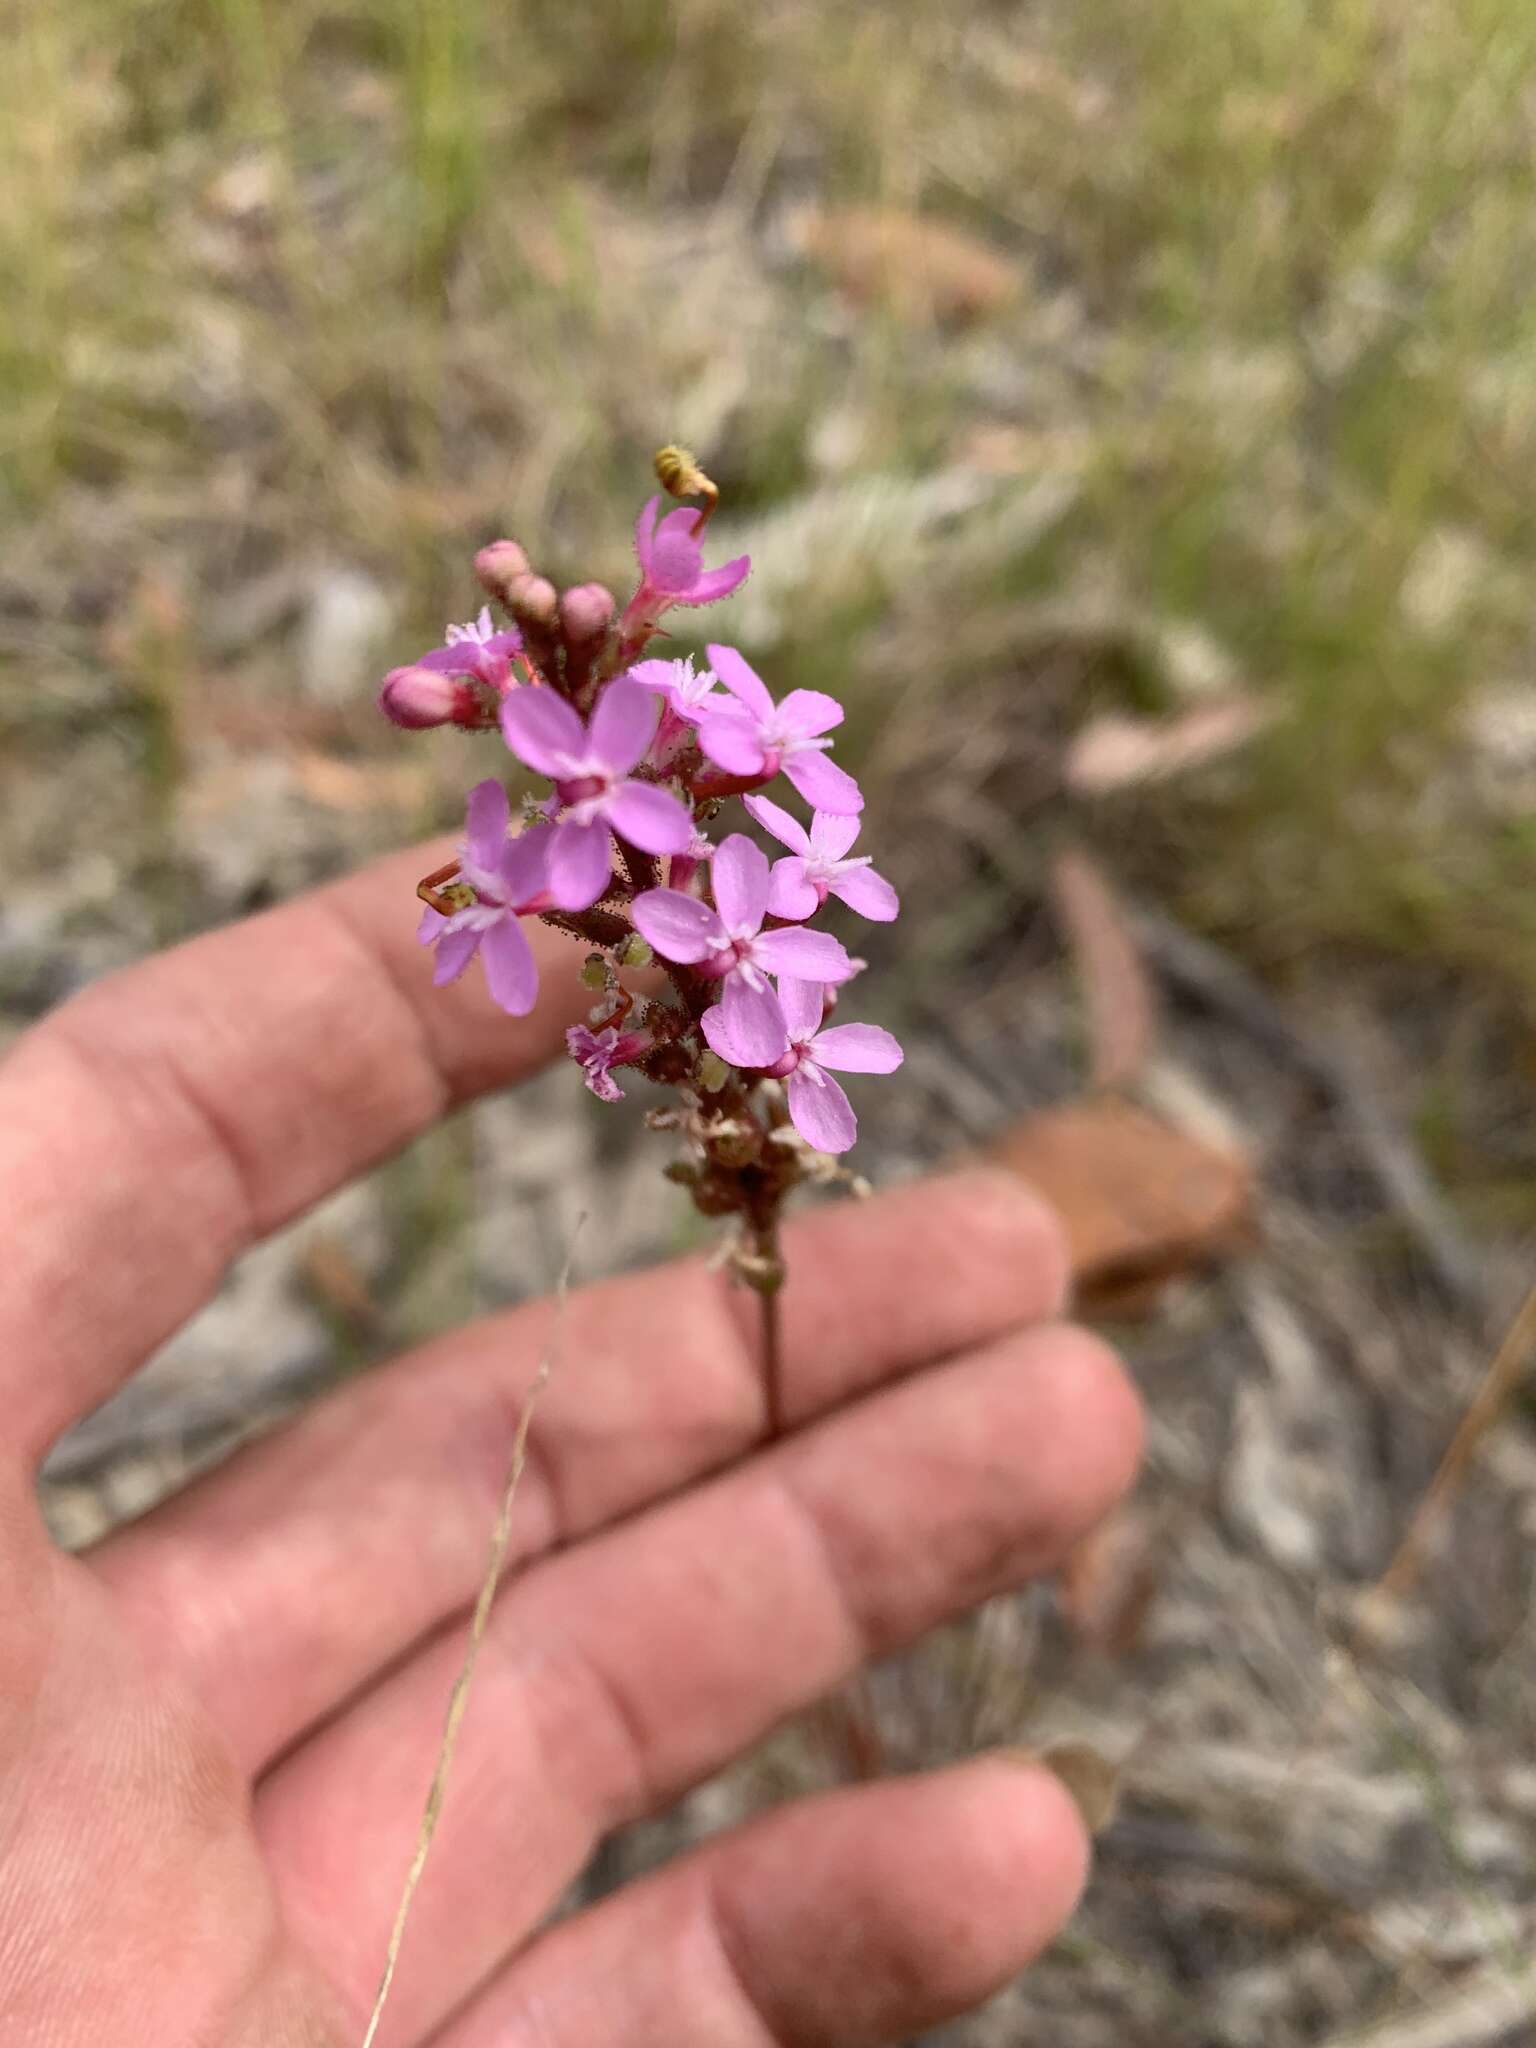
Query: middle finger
pixel 287 1580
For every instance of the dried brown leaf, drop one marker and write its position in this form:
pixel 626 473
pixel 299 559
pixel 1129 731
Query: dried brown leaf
pixel 336 1278
pixel 1116 752
pixel 1117 991
pixel 1111 1580
pixel 1141 1202
pixel 1088 1775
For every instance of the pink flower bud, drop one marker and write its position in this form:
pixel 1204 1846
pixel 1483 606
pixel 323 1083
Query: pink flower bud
pixel 586 612
pixel 533 602
pixel 417 698
pixel 497 566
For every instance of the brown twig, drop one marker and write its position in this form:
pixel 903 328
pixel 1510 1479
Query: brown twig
pixel 1505 1371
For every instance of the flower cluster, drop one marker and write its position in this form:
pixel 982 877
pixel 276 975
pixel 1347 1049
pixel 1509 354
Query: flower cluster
pixel 627 846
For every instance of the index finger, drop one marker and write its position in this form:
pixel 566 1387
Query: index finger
pixel 164 1119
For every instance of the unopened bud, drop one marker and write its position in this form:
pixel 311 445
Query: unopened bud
pixel 713 1073
pixel 533 601
pixel 498 565
pixel 635 952
pixel 419 697
pixel 594 971
pixel 535 604
pixel 586 613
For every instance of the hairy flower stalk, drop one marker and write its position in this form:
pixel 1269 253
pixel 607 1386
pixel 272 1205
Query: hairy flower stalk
pixel 633 845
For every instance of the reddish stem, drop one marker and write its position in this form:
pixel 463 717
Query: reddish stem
pixel 427 888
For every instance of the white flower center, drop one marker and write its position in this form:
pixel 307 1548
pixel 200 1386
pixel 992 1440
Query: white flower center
pixel 786 743
pixel 821 867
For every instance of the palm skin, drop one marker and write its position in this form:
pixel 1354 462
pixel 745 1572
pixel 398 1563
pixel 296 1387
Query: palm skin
pixel 217 1729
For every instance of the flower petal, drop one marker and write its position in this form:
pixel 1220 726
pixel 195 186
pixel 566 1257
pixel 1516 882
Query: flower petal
pixel 871 895
pixel 802 1003
pixel 653 819
pixel 487 816
pixel 454 952
pixel 809 956
pixel 832 834
pixel 645 526
pixel 655 675
pixel 580 863
pixel 510 973
pixel 791 892
pixel 717 583
pixel 857 1049
pixel 721 1035
pixel 739 878
pixel 542 729
pixel 823 784
pixel 457 660
pixel 622 724
pixel 821 1112
pixel 677 560
pixel 602 1084
pixel 429 925
pixel 742 680
pixel 730 740
pixel 525 865
pixel 752 1022
pixel 784 826
pixel 810 712
pixel 679 927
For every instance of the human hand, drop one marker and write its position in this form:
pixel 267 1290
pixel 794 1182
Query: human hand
pixel 217 1729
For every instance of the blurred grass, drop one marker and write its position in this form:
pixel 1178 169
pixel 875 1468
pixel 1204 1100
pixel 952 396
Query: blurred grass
pixel 375 281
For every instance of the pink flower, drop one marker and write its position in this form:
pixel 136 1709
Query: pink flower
pixel 509 878
pixel 756 737
pixel 684 696
pixel 682 867
pixel 818 1108
pixel 817 868
pixel 590 768
pixel 596 1052
pixel 672 563
pixel 458 683
pixel 687 693
pixel 477 650
pixel 729 942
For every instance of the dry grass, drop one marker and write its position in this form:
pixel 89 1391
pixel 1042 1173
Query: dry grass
pixel 363 285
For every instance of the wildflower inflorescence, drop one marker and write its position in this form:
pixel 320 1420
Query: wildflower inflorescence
pixel 629 847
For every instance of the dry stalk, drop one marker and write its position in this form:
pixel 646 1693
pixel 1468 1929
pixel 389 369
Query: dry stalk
pixel 458 1699
pixel 1505 1371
